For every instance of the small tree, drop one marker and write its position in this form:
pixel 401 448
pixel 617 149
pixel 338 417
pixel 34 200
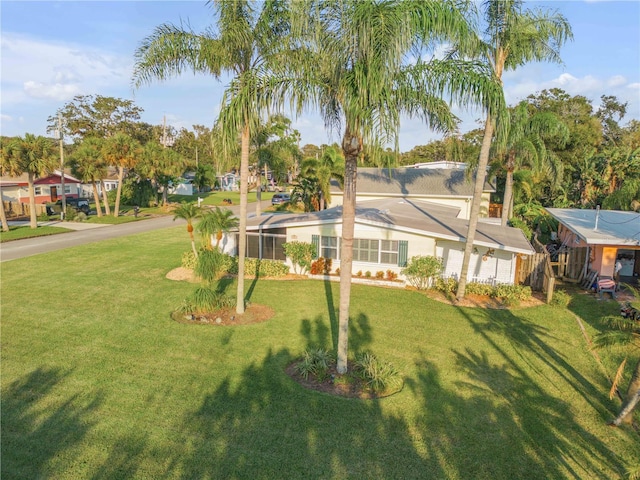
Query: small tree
pixel 421 269
pixel 216 222
pixel 301 255
pixel 188 212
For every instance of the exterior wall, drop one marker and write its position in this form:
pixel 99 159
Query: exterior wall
pixel 10 194
pixel 464 204
pixel 608 261
pixel 499 266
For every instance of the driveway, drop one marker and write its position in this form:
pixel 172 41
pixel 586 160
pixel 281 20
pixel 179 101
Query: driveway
pixel 88 233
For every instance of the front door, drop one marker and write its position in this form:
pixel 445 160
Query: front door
pixel 54 193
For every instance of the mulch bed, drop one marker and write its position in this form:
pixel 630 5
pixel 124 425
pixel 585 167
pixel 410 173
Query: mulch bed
pixel 254 313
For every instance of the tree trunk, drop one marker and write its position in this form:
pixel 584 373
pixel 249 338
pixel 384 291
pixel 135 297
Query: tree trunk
pixel 96 198
pixel 193 240
pixel 116 210
pixel 633 398
pixel 242 227
pixel 258 190
pixel 481 173
pixel 351 149
pixel 3 217
pixel 32 202
pixel 508 198
pixel 107 208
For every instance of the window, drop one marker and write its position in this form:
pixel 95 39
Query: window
pixel 389 252
pixel 329 247
pixel 37 190
pixel 365 250
pixel 67 189
pixel 265 246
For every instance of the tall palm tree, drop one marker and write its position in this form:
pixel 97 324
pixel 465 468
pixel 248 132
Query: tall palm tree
pixel 512 37
pixel 216 222
pixel 8 166
pixel 624 333
pixel 35 156
pixel 189 212
pixel 122 151
pixel 242 45
pixel 362 74
pixel 329 165
pixel 525 144
pixel 87 163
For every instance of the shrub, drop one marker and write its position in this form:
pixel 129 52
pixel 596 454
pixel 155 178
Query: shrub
pixel 317 267
pixel 327 266
pixel 359 274
pixel 446 285
pixel 259 268
pixel 80 217
pixel 476 288
pixel 43 217
pixel 301 255
pixel 367 274
pixel 206 300
pixel 560 299
pixel 380 275
pixel 338 271
pixel 512 294
pixel 315 362
pixel 211 265
pixel 391 275
pixel 421 269
pixel 188 260
pixel 379 376
pixel 70 214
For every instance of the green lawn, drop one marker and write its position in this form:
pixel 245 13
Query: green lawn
pixel 98 382
pixel 25 231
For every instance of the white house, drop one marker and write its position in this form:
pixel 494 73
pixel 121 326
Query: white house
pixel 446 186
pixel 388 232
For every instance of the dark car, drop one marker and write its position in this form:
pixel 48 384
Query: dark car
pixel 280 198
pixel 80 204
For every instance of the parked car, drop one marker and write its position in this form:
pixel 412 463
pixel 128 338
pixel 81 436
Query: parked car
pixel 80 204
pixel 280 198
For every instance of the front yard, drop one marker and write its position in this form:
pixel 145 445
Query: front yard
pixel 99 382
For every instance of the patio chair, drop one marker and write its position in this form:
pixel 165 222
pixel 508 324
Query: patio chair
pixel 606 285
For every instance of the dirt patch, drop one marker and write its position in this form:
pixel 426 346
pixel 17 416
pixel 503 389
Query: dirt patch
pixel 182 274
pixel 346 385
pixel 254 313
pixel 483 301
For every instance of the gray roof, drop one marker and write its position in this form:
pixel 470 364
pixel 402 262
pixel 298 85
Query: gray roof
pixel 413 216
pixel 414 181
pixel 615 227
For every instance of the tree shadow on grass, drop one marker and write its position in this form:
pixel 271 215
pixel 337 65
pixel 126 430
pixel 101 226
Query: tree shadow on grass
pixel 35 420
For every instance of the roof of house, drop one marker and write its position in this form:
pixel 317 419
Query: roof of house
pixel 412 216
pixel 614 227
pixel 414 181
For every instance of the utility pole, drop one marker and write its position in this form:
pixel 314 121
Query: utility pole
pixel 64 196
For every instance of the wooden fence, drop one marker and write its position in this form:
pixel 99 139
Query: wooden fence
pixel 571 263
pixel 536 270
pixel 19 209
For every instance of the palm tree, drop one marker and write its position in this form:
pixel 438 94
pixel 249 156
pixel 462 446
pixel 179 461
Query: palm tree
pixel 88 165
pixel 525 144
pixel 189 212
pixel 243 46
pixel 35 156
pixel 122 151
pixel 362 77
pixel 625 333
pixel 8 166
pixel 329 165
pixel 216 222
pixel 512 38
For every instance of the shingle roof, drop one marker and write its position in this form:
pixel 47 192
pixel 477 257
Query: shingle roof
pixel 414 181
pixel 615 227
pixel 414 216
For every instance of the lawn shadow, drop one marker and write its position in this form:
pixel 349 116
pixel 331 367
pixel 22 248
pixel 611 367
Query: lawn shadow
pixel 30 422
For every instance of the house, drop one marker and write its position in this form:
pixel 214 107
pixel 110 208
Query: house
pixel 446 186
pixel 388 232
pixel 47 188
pixel 608 235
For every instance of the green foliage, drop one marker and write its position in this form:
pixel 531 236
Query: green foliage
pixel 259 268
pixel 379 274
pixel 512 295
pixel 43 217
pixel 560 299
pixel 189 260
pixel 70 214
pixel 140 192
pixel 378 375
pixel 301 255
pixel 80 217
pixel 205 300
pixel 367 274
pixel 316 363
pixel 476 288
pixel 421 270
pixel 211 265
pixel 522 225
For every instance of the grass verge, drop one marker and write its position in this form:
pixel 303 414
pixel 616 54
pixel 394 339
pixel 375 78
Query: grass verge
pixel 99 382
pixel 22 232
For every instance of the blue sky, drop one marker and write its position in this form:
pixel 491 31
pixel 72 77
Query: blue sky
pixel 54 50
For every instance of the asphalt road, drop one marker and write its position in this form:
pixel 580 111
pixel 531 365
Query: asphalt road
pixel 88 233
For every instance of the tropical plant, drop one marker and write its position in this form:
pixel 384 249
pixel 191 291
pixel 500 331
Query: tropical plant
pixel 624 334
pixel 122 151
pixel 359 74
pixel 216 222
pixel 301 255
pixel 322 170
pixel 378 375
pixel 87 163
pixel 315 362
pixel 210 265
pixel 244 44
pixel 421 270
pixel 189 212
pixel 512 38
pixel 33 155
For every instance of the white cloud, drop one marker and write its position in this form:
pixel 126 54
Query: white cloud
pixel 55 91
pixel 616 81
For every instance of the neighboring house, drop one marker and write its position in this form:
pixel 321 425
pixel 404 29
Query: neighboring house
pixel 608 235
pixel 228 182
pixel 440 164
pixel 443 186
pixel 47 188
pixel 388 232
